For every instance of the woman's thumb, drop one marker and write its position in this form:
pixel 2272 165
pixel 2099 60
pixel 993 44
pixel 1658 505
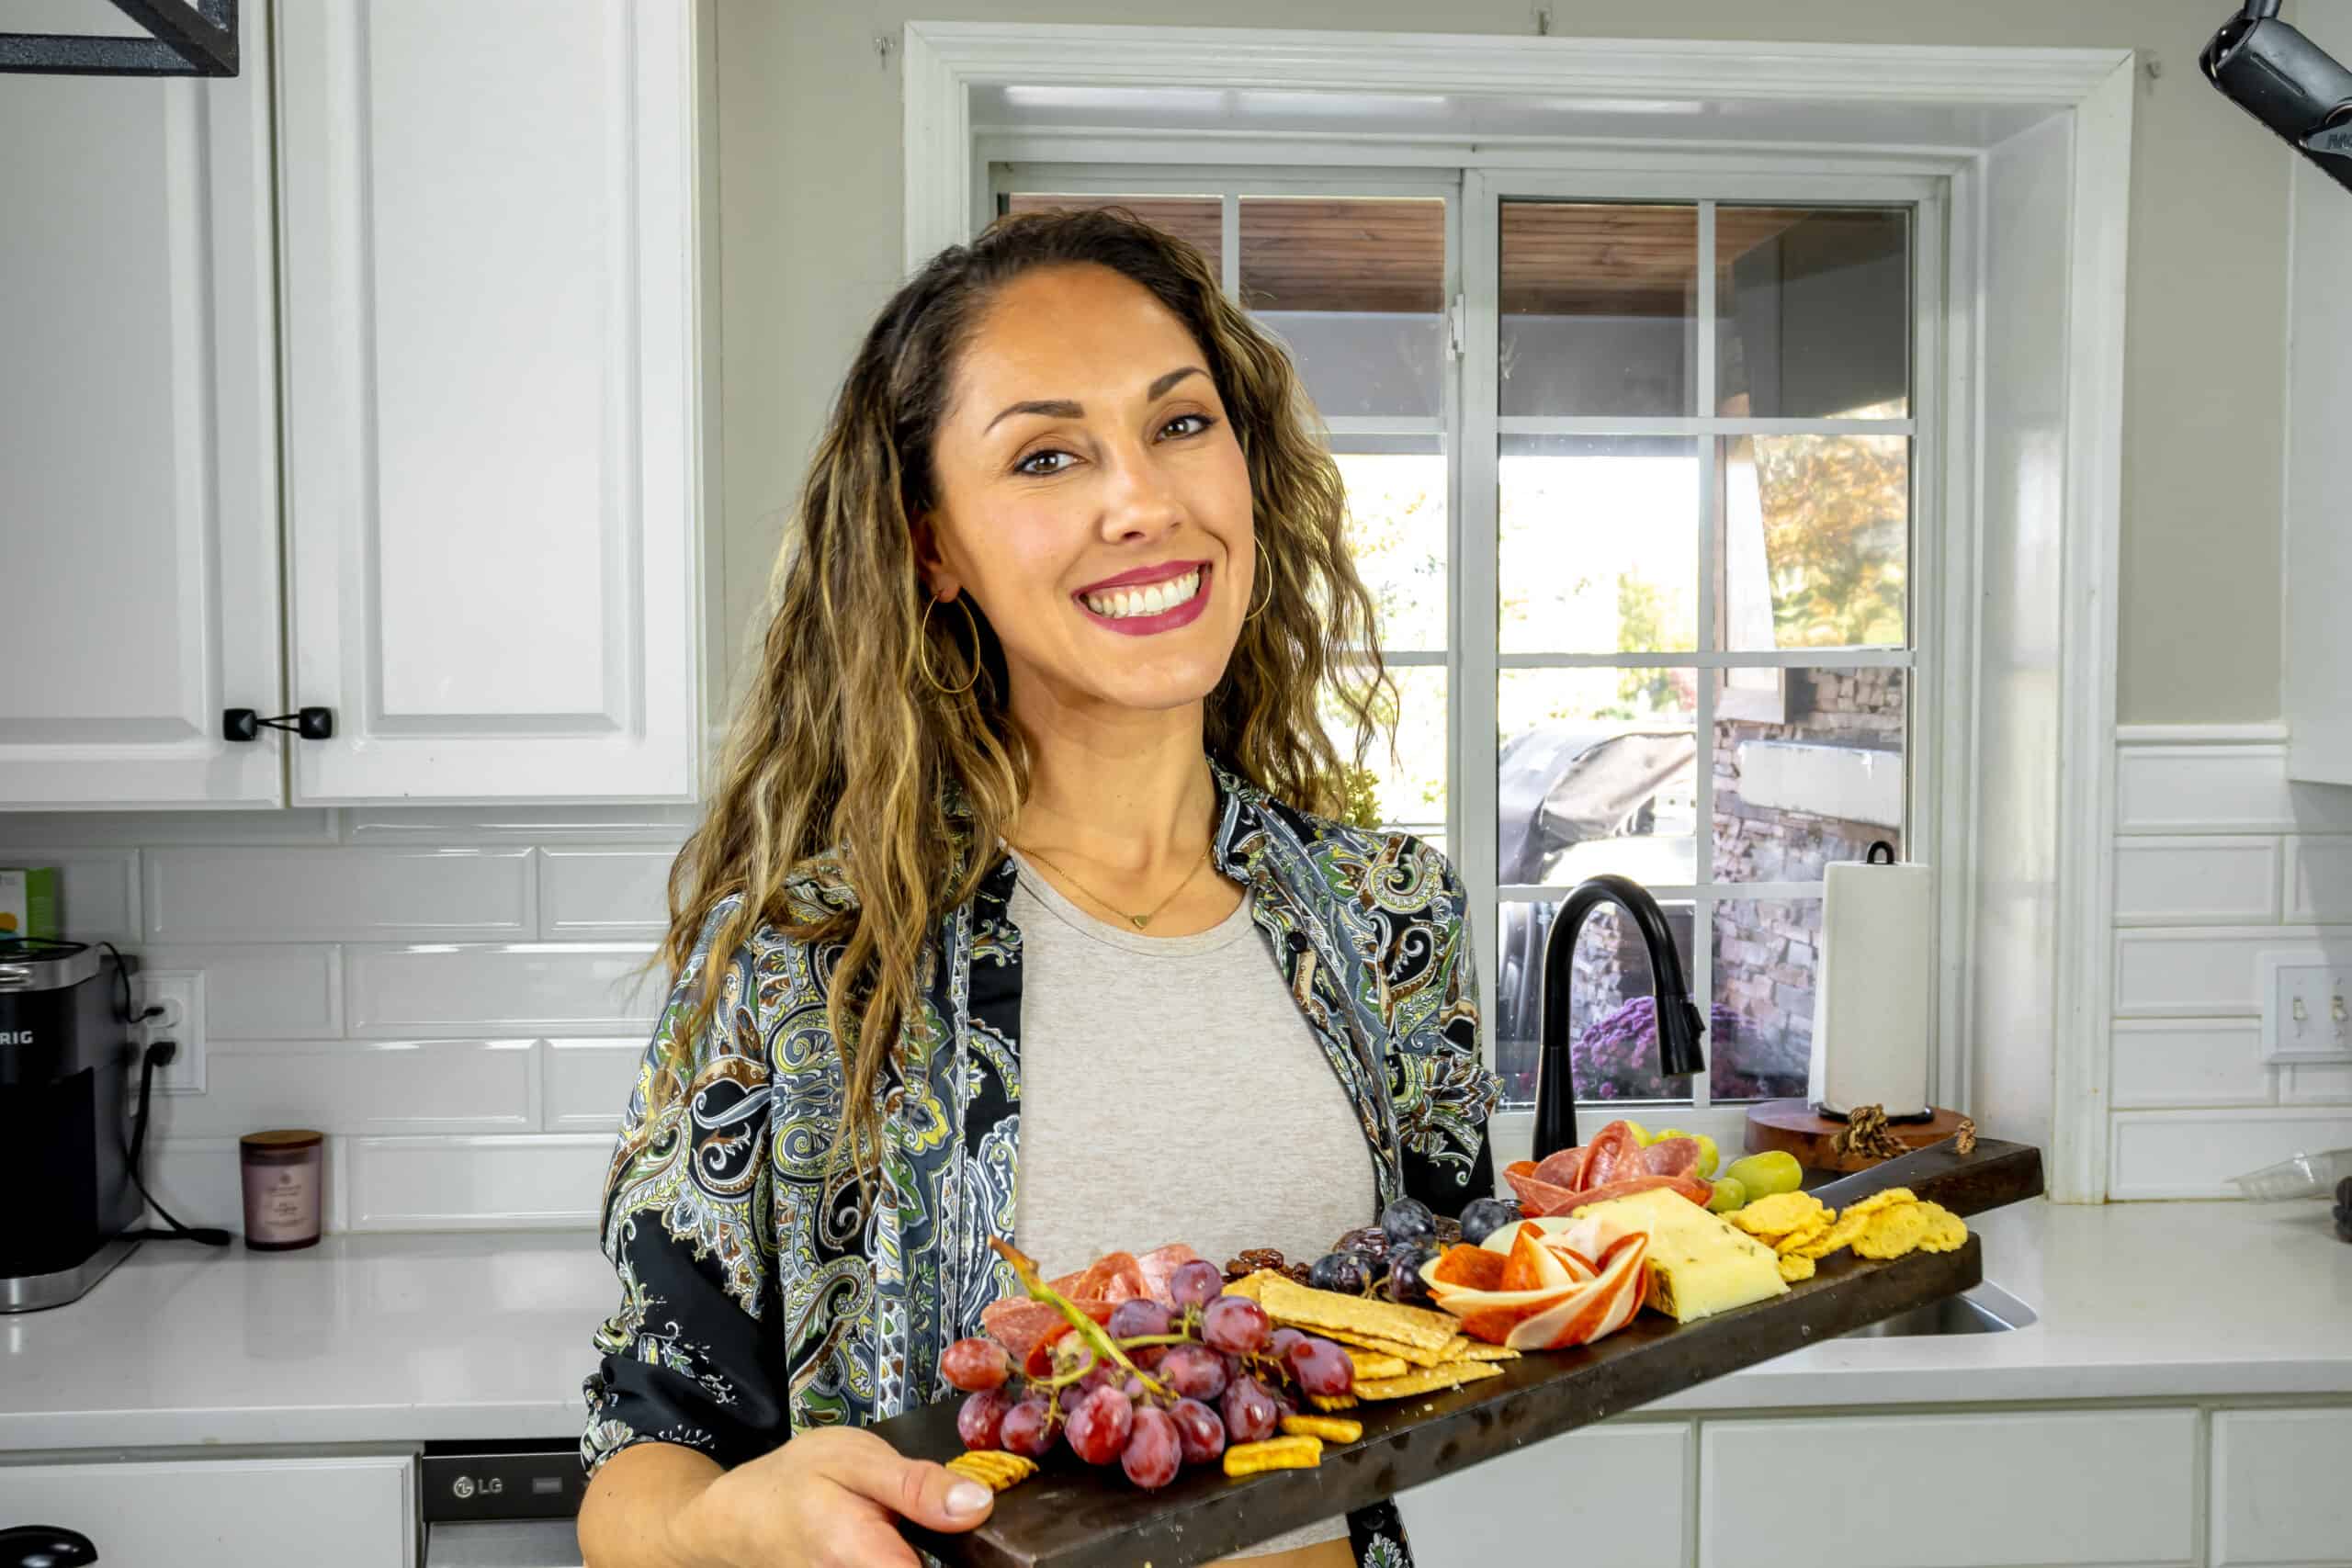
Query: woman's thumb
pixel 928 1495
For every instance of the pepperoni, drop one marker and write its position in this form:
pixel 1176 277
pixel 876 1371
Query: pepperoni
pixel 1615 1153
pixel 1672 1156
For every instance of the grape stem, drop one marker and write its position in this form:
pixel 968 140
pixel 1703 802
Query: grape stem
pixel 1088 1330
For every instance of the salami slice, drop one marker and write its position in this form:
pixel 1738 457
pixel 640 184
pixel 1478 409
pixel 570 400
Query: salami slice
pixel 1672 1156
pixel 1161 1262
pixel 1565 1168
pixel 1538 1198
pixel 1690 1186
pixel 1615 1153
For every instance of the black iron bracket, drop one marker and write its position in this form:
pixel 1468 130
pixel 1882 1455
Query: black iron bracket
pixel 244 724
pixel 186 38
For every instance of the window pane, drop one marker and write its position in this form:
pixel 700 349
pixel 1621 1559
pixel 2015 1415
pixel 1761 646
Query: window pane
pixel 1409 787
pixel 1199 219
pixel 1809 769
pixel 1813 312
pixel 1356 285
pixel 1613 1039
pixel 1597 772
pixel 1816 542
pixel 1600 306
pixel 1598 543
pixel 1397 529
pixel 1760 1036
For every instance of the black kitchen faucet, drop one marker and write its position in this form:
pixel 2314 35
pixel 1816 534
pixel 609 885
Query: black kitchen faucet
pixel 1678 1023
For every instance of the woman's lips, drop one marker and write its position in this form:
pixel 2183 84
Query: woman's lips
pixel 1166 620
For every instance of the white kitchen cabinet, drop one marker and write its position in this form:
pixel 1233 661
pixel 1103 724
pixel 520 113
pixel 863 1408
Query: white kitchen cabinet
pixel 2002 1490
pixel 354 1511
pixel 1618 1494
pixel 2278 1493
pixel 139 527
pixel 2317 653
pixel 488 219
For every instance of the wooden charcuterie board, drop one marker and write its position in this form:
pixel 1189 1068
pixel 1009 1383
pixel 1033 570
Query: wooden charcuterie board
pixel 1070 1516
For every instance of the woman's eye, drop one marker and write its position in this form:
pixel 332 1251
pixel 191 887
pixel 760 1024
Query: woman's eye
pixel 1023 467
pixel 1202 418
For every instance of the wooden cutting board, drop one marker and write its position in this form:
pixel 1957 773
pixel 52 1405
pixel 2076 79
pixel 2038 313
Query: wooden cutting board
pixel 1069 1515
pixel 1793 1125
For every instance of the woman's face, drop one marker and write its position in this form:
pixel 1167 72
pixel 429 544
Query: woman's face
pixel 1093 498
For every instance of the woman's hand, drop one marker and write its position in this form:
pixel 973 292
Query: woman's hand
pixel 831 1498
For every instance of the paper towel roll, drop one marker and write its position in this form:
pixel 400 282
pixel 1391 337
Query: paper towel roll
pixel 1874 992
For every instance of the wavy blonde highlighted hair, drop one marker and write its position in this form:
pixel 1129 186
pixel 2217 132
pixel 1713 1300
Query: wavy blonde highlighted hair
pixel 842 745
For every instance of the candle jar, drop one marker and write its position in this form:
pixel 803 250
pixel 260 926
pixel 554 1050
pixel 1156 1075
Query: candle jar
pixel 283 1171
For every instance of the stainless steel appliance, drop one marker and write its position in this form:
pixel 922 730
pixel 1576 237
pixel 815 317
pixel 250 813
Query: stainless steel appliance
pixel 500 1504
pixel 64 1046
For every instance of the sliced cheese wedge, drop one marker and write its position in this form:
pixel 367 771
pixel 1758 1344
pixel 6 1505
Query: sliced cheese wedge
pixel 1698 1265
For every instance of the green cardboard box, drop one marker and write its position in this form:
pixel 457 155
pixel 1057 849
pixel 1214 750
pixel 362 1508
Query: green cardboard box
pixel 28 901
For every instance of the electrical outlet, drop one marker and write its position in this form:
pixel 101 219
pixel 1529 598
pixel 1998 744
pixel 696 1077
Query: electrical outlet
pixel 2306 1008
pixel 180 993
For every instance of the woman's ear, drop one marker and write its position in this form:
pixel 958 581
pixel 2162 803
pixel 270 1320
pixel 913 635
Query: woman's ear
pixel 938 577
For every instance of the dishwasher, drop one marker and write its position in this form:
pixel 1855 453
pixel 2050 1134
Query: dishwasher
pixel 500 1504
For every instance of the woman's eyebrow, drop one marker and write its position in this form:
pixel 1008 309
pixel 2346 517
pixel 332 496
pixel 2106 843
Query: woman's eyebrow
pixel 1062 408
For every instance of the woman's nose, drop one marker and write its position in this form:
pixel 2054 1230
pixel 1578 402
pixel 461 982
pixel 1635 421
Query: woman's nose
pixel 1140 500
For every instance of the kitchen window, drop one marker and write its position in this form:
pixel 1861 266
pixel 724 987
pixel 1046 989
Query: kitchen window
pixel 1636 468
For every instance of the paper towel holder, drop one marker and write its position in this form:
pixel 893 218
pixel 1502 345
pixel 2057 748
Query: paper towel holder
pixel 1870 856
pixel 1880 852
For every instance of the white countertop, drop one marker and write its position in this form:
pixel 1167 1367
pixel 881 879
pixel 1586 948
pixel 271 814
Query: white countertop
pixel 373 1339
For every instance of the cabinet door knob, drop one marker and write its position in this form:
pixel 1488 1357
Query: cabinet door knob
pixel 244 724
pixel 44 1546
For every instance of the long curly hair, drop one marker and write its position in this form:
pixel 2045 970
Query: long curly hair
pixel 843 746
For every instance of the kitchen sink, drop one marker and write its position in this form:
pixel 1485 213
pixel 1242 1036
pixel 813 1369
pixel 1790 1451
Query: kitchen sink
pixel 1986 1309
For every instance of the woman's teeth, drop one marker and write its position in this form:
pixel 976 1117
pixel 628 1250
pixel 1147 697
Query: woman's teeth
pixel 1153 599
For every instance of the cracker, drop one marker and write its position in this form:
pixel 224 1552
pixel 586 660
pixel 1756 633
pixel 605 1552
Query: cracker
pixel 1475 1351
pixel 1778 1215
pixel 1303 1308
pixel 1837 1236
pixel 1877 1200
pixel 1452 1374
pixel 1946 1230
pixel 1252 1285
pixel 1893 1231
pixel 1330 1429
pixel 1804 1236
pixel 1273 1453
pixel 993 1468
pixel 1376 1363
pixel 1418 1355
pixel 1332 1401
pixel 1795 1266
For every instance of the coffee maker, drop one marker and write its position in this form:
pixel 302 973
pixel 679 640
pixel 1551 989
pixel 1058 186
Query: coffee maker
pixel 66 1045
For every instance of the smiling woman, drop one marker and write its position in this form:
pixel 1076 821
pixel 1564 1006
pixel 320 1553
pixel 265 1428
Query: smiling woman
pixel 1029 920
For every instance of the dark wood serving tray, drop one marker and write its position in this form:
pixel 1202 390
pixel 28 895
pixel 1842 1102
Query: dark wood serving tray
pixel 1070 1516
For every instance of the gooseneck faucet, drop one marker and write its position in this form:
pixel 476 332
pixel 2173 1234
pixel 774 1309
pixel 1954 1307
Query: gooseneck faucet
pixel 1678 1021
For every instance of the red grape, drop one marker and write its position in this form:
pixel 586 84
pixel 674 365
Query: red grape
pixel 1136 1318
pixel 1321 1367
pixel 1105 1374
pixel 1195 1283
pixel 1249 1412
pixel 1098 1427
pixel 1203 1433
pixel 1154 1452
pixel 1194 1371
pixel 1025 1431
pixel 1148 1357
pixel 1234 1323
pixel 1279 1347
pixel 981 1419
pixel 973 1365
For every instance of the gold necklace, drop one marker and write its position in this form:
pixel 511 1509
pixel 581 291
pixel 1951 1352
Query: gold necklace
pixel 1140 922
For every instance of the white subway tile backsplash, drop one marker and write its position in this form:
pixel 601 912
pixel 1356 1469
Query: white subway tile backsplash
pixel 272 894
pixel 2220 789
pixel 2198 972
pixel 609 894
pixel 2318 878
pixel 2189 1062
pixel 2196 881
pixel 513 989
pixel 263 993
pixel 360 1085
pixel 2193 1154
pixel 588 1083
pixel 22 830
pixel 100 896
pixel 521 824
pixel 456 1184
pixel 2307 1084
pixel 200 1181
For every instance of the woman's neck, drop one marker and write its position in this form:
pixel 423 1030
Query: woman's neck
pixel 1134 798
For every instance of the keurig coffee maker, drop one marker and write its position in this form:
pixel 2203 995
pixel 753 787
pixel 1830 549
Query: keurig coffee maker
pixel 65 1044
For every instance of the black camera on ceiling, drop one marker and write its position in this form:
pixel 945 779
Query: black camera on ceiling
pixel 2288 83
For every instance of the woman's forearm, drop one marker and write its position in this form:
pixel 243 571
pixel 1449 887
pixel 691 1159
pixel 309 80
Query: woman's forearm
pixel 629 1517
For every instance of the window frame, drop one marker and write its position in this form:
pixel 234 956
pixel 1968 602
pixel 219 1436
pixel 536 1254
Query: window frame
pixel 1936 783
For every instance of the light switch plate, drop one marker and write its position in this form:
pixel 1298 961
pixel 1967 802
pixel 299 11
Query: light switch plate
pixel 180 993
pixel 2306 1007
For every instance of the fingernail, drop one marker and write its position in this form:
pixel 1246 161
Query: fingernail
pixel 965 1497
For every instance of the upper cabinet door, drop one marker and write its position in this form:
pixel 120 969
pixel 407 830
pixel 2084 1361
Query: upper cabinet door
pixel 491 320
pixel 138 437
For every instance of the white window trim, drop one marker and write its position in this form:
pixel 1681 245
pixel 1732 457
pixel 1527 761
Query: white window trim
pixel 945 189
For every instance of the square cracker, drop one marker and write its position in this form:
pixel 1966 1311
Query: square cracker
pixel 1311 1309
pixel 1452 1374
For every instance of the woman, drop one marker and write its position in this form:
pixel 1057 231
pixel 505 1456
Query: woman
pixel 1029 809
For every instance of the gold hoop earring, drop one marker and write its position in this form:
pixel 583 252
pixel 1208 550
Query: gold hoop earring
pixel 922 646
pixel 1265 575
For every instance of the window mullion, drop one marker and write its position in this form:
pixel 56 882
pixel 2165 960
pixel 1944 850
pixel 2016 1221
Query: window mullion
pixel 1475 633
pixel 1702 850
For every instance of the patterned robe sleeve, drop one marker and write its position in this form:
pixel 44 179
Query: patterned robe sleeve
pixel 1447 1092
pixel 693 1354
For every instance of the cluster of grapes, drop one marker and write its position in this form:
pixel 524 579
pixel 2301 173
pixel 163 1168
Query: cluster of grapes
pixel 1182 1381
pixel 1386 1258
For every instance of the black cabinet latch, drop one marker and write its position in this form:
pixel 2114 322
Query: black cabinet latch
pixel 310 724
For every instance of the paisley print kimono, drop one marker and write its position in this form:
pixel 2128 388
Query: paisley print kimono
pixel 757 1300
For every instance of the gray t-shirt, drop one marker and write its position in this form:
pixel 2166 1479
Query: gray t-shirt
pixel 1171 1090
